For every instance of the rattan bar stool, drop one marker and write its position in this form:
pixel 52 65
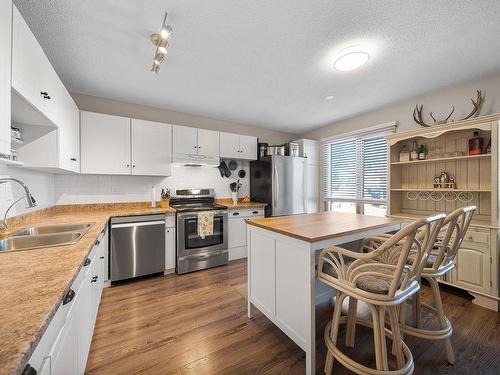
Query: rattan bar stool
pixel 384 280
pixel 439 262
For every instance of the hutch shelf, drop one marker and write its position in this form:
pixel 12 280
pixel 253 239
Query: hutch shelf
pixel 411 194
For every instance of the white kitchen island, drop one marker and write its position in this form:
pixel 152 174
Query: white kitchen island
pixel 282 257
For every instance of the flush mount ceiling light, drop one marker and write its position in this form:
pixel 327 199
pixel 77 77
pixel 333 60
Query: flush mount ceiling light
pixel 329 97
pixel 351 58
pixel 161 41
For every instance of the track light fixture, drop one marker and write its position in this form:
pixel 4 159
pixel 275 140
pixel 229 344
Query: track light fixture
pixel 161 41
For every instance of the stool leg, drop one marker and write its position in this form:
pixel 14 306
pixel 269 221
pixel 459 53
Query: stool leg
pixel 383 343
pixel 334 330
pixel 397 346
pixel 351 322
pixel 376 337
pixel 442 321
pixel 416 301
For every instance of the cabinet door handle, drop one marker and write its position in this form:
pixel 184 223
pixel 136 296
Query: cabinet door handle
pixel 236 213
pixel 94 279
pixel 255 212
pixel 128 165
pixel 87 262
pixel 133 165
pixel 44 94
pixel 101 257
pixel 73 159
pixel 69 297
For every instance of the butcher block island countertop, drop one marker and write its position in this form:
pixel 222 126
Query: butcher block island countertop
pixel 323 225
pixel 33 282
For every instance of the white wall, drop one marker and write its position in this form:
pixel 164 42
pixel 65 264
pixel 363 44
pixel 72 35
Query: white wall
pixel 439 102
pixel 41 186
pixel 73 189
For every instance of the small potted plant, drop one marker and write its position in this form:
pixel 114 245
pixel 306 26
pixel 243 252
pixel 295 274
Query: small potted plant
pixel 235 187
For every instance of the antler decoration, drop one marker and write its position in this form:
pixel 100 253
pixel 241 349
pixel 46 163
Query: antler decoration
pixel 477 105
pixel 418 118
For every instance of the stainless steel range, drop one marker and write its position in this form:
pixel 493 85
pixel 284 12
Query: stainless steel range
pixel 193 251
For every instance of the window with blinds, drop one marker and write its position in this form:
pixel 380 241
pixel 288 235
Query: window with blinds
pixel 355 174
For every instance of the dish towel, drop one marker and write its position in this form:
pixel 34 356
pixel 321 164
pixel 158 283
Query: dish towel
pixel 205 223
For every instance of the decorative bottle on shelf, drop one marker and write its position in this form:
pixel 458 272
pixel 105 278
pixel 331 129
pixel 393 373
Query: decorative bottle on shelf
pixel 414 152
pixel 422 152
pixel 404 154
pixel 475 144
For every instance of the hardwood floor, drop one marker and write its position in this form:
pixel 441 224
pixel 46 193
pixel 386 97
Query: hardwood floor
pixel 197 324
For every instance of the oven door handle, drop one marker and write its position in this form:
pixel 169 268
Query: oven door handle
pixel 190 215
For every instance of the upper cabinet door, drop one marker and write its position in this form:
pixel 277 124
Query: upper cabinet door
pixel 5 77
pixel 208 143
pixel 105 144
pixel 185 140
pixel 30 67
pixel 248 147
pixel 229 145
pixel 151 148
pixel 69 137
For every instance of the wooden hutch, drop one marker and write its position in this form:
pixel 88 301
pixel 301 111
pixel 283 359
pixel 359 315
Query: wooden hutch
pixel 412 194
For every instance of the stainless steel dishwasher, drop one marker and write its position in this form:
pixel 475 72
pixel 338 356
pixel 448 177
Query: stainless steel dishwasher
pixel 137 246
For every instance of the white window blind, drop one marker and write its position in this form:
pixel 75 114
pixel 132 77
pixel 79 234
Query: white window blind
pixel 355 169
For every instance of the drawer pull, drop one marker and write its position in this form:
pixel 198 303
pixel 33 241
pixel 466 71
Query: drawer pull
pixel 87 262
pixel 236 213
pixel 255 212
pixel 69 297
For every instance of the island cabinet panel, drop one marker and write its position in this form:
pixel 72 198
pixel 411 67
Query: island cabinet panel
pixel 291 281
pixel 263 262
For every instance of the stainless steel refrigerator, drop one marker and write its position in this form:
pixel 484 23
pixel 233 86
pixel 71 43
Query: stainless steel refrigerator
pixel 281 182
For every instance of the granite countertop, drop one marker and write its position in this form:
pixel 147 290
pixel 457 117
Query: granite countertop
pixel 34 282
pixel 229 203
pixel 323 225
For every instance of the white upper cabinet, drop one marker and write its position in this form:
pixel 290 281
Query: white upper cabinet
pixel 33 77
pixel 248 147
pixel 69 137
pixel 235 146
pixel 105 144
pixel 229 145
pixel 208 143
pixel 38 90
pixel 120 145
pixel 5 76
pixel 192 145
pixel 151 148
pixel 185 140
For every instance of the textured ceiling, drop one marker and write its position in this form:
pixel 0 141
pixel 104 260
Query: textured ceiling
pixel 267 63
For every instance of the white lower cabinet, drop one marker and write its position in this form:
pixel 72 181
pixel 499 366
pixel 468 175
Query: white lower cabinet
pixel 64 347
pixel 170 249
pixel 237 231
pixel 65 361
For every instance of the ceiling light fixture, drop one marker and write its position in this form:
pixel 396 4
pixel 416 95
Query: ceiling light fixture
pixel 329 97
pixel 161 41
pixel 351 58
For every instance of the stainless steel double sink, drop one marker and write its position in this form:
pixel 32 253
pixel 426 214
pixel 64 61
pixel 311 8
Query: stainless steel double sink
pixel 44 236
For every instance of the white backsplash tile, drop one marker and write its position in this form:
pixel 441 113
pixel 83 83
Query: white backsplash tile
pixel 74 189
pixel 41 185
